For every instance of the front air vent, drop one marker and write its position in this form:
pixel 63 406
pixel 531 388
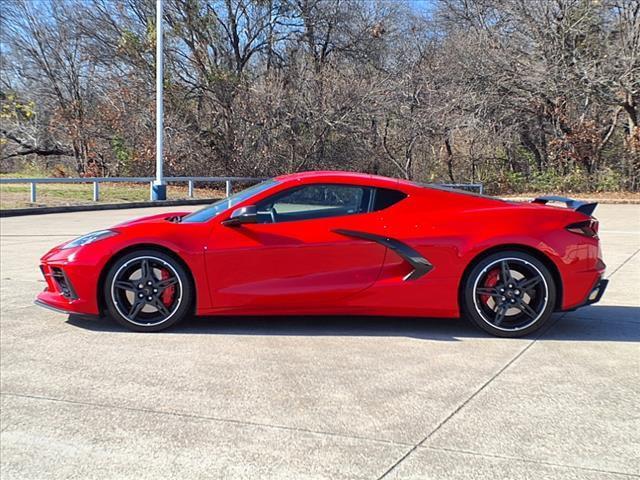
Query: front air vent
pixel 63 284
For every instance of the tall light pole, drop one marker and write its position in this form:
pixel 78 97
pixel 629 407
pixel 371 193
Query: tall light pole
pixel 159 189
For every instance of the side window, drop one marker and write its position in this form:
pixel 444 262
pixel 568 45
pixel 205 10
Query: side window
pixel 315 201
pixel 385 197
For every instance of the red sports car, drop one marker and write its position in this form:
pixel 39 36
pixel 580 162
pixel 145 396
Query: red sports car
pixel 322 243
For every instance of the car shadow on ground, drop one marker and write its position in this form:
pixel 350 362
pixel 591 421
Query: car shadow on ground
pixel 594 323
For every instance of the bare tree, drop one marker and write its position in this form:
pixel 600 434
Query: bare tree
pixel 509 92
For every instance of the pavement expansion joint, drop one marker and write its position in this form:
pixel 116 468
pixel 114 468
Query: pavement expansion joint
pixel 527 460
pixel 206 418
pixel 623 263
pixel 470 398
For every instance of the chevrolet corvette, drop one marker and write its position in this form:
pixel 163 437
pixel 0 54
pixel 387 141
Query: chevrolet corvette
pixel 337 243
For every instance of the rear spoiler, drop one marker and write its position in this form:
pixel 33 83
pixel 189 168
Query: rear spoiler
pixel 577 205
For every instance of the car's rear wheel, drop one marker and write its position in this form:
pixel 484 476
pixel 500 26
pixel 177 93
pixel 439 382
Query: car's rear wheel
pixel 509 294
pixel 147 291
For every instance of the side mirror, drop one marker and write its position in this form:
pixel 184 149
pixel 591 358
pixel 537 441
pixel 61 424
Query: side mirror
pixel 242 215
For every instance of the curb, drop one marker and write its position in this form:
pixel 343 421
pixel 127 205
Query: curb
pixel 18 212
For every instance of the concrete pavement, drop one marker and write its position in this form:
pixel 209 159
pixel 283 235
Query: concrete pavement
pixel 315 397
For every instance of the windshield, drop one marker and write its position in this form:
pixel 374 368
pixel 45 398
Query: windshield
pixel 211 211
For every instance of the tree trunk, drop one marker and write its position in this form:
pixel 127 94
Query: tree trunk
pixel 449 154
pixel 632 121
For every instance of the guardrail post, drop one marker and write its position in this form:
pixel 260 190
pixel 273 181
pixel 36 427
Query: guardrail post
pixel 96 191
pixel 227 185
pixel 32 193
pixel 190 188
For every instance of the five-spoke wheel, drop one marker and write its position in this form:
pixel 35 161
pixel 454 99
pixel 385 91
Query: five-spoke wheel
pixel 509 294
pixel 147 290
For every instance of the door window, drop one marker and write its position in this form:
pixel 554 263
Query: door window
pixel 315 201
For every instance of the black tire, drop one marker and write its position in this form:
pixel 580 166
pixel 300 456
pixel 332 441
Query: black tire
pixel 509 294
pixel 148 291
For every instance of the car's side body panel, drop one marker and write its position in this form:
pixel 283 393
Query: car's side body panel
pixel 294 264
pixel 344 264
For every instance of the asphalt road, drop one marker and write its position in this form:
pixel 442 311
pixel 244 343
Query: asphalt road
pixel 306 398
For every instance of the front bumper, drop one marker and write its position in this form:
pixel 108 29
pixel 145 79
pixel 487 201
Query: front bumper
pixel 53 308
pixel 71 287
pixel 55 301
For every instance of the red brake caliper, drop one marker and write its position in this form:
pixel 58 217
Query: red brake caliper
pixel 491 281
pixel 167 295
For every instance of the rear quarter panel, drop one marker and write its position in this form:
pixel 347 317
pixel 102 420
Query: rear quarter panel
pixel 452 230
pixel 542 229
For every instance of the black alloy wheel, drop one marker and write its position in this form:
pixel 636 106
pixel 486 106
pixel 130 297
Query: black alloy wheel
pixel 509 294
pixel 147 291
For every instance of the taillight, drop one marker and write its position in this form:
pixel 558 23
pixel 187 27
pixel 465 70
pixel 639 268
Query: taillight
pixel 588 228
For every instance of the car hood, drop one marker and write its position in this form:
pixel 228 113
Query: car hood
pixel 158 218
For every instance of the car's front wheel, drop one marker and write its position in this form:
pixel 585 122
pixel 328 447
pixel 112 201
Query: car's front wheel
pixel 147 291
pixel 509 294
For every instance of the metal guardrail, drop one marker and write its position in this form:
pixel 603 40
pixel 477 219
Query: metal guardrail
pixel 33 182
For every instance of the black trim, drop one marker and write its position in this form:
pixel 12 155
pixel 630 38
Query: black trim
pixel 577 205
pixel 421 265
pixel 17 212
pixel 600 287
pixel 42 304
pixel 63 283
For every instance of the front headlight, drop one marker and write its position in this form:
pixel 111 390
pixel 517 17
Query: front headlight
pixel 89 238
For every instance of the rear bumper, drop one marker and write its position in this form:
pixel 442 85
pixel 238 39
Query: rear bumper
pixel 581 271
pixel 595 294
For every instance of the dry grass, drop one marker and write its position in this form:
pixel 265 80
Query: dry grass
pixel 51 194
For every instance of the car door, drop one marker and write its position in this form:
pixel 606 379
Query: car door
pixel 294 257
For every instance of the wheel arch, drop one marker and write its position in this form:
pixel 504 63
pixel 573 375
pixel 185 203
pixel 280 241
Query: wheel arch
pixel 132 248
pixel 538 254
